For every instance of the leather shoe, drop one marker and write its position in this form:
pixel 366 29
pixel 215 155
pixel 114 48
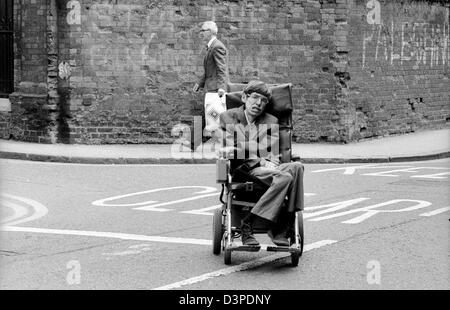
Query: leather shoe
pixel 247 235
pixel 279 239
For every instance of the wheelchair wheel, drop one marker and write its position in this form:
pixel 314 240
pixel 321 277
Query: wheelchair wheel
pixel 295 257
pixel 300 230
pixel 217 231
pixel 227 257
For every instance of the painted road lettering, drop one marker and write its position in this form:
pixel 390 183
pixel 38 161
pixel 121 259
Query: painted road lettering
pixel 368 211
pixel 153 205
pixel 204 211
pixel 314 214
pixel 392 171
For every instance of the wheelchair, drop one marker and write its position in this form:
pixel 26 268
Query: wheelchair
pixel 241 191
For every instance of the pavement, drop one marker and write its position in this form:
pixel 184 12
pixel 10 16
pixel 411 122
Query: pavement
pixel 422 145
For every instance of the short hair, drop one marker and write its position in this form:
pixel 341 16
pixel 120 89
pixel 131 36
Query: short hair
pixel 211 26
pixel 258 87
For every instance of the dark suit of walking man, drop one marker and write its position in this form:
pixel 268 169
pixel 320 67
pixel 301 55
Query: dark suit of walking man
pixel 214 79
pixel 285 179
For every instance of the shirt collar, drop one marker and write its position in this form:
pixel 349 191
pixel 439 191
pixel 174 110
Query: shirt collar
pixel 248 121
pixel 211 41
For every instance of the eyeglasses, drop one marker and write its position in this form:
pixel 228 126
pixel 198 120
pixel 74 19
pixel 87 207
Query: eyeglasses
pixel 203 30
pixel 256 96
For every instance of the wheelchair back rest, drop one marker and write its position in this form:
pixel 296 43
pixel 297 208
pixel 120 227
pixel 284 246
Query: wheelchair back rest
pixel 280 106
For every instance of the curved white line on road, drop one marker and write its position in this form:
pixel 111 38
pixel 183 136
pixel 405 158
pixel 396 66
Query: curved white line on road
pixel 18 212
pixel 104 202
pixel 241 267
pixel 39 209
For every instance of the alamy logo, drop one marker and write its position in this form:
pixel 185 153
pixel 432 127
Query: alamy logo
pixel 74 15
pixel 374 15
pixel 74 275
pixel 374 273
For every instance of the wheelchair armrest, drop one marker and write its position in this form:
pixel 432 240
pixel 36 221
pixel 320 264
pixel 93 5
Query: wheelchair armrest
pixel 226 152
pixel 295 157
pixel 247 186
pixel 222 170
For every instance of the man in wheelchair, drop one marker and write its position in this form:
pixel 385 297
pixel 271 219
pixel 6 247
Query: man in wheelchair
pixel 244 128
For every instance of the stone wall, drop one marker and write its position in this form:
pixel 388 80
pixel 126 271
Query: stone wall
pixel 125 69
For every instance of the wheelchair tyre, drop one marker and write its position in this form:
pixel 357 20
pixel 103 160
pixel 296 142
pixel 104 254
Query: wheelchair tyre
pixel 217 231
pixel 227 257
pixel 295 257
pixel 301 231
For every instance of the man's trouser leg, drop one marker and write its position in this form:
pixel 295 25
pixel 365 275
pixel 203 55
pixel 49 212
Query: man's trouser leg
pixel 296 191
pixel 197 129
pixel 269 205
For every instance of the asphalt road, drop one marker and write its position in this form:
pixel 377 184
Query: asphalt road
pixel 73 226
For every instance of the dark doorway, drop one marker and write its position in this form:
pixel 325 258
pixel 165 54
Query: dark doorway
pixel 6 48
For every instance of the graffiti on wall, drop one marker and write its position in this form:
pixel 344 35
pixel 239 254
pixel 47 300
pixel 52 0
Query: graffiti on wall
pixel 405 43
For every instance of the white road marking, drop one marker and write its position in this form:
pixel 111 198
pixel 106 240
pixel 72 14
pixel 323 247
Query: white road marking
pixel 328 208
pixel 241 267
pixel 433 176
pixel 156 207
pixel 147 205
pixel 369 211
pixel 203 210
pixel 352 169
pixel 435 212
pixel 107 235
pixel 33 162
pixel 18 211
pixel 408 169
pixel 134 249
pixel 386 173
pixel 39 209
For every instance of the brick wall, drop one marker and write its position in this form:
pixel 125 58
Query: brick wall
pixel 28 115
pixel 134 63
pixel 128 66
pixel 399 67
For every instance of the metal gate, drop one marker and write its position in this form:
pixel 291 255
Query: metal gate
pixel 6 48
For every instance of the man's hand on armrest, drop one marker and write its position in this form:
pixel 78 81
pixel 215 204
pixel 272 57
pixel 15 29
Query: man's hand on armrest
pixel 295 157
pixel 268 164
pixel 226 152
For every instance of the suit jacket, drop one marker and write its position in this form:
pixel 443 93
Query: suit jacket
pixel 215 68
pixel 252 144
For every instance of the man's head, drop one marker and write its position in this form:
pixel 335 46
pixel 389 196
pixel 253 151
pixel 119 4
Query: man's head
pixel 208 30
pixel 256 96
